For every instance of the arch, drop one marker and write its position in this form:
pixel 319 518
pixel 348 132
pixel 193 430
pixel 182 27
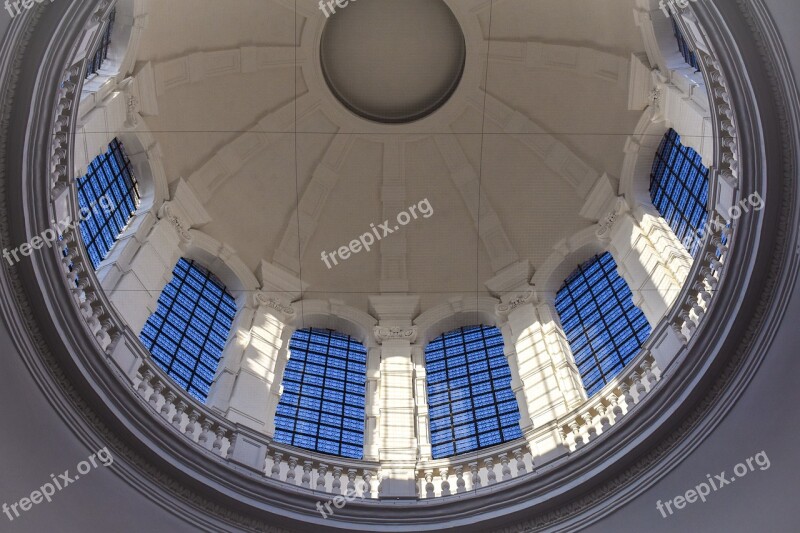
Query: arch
pixel 604 328
pixel 471 403
pixel 461 311
pixel 145 155
pixel 322 405
pixel 336 315
pixel 224 262
pixel 565 257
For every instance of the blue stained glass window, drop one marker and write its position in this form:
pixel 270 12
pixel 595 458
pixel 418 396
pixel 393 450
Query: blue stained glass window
pixel 679 190
pixel 187 333
pixel 109 176
pixel 324 386
pixel 683 45
pixel 470 399
pixel 101 54
pixel 604 328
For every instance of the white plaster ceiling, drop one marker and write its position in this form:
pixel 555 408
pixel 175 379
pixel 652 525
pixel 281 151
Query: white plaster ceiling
pixel 236 95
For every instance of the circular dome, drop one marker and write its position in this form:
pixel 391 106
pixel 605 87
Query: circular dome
pixel 394 61
pixel 495 176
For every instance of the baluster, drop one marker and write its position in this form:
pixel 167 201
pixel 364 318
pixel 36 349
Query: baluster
pixel 306 479
pixel 336 487
pixel 168 400
pixel 626 394
pixel 205 432
pixel 461 485
pixel 605 423
pixel 351 480
pixel 178 417
pixel 220 433
pixel 156 396
pixel 367 485
pixel 637 381
pixel 506 469
pixel 232 436
pixel 143 385
pixel 522 468
pixel 291 474
pixel 476 476
pixel 429 484
pixel 576 433
pixel 491 476
pixel 648 373
pixel 194 415
pixel 322 471
pixel 591 430
pixel 444 474
pixel 275 472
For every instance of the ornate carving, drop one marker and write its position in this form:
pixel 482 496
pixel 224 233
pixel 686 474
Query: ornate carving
pixel 262 299
pixel 519 299
pixel 606 224
pixel 384 333
pixel 168 213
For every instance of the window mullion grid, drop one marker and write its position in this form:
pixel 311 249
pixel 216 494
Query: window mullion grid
pixel 671 145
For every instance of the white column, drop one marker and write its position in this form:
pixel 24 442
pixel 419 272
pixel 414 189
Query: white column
pixel 372 401
pixel 670 249
pixel 652 283
pixel 544 375
pixel 247 386
pixel 397 442
pixel 141 265
pixel 136 291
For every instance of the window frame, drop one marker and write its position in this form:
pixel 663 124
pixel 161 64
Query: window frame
pixel 579 290
pixel 216 332
pixel 458 383
pixel 677 177
pixel 109 175
pixel 306 412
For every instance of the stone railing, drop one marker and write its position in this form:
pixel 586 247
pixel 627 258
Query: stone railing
pixel 475 470
pixel 614 401
pixel 222 440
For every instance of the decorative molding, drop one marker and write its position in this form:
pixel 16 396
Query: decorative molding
pixel 518 300
pixel 383 334
pixel 261 298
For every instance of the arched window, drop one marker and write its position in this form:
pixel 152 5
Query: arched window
pixel 110 193
pixel 190 327
pixel 684 47
pixel 604 328
pixel 322 405
pixel 471 402
pixel 100 55
pixel 679 190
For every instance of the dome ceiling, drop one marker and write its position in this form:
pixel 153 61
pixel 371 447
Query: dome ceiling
pixel 250 123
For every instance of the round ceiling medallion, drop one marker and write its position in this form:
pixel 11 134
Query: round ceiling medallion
pixel 393 61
